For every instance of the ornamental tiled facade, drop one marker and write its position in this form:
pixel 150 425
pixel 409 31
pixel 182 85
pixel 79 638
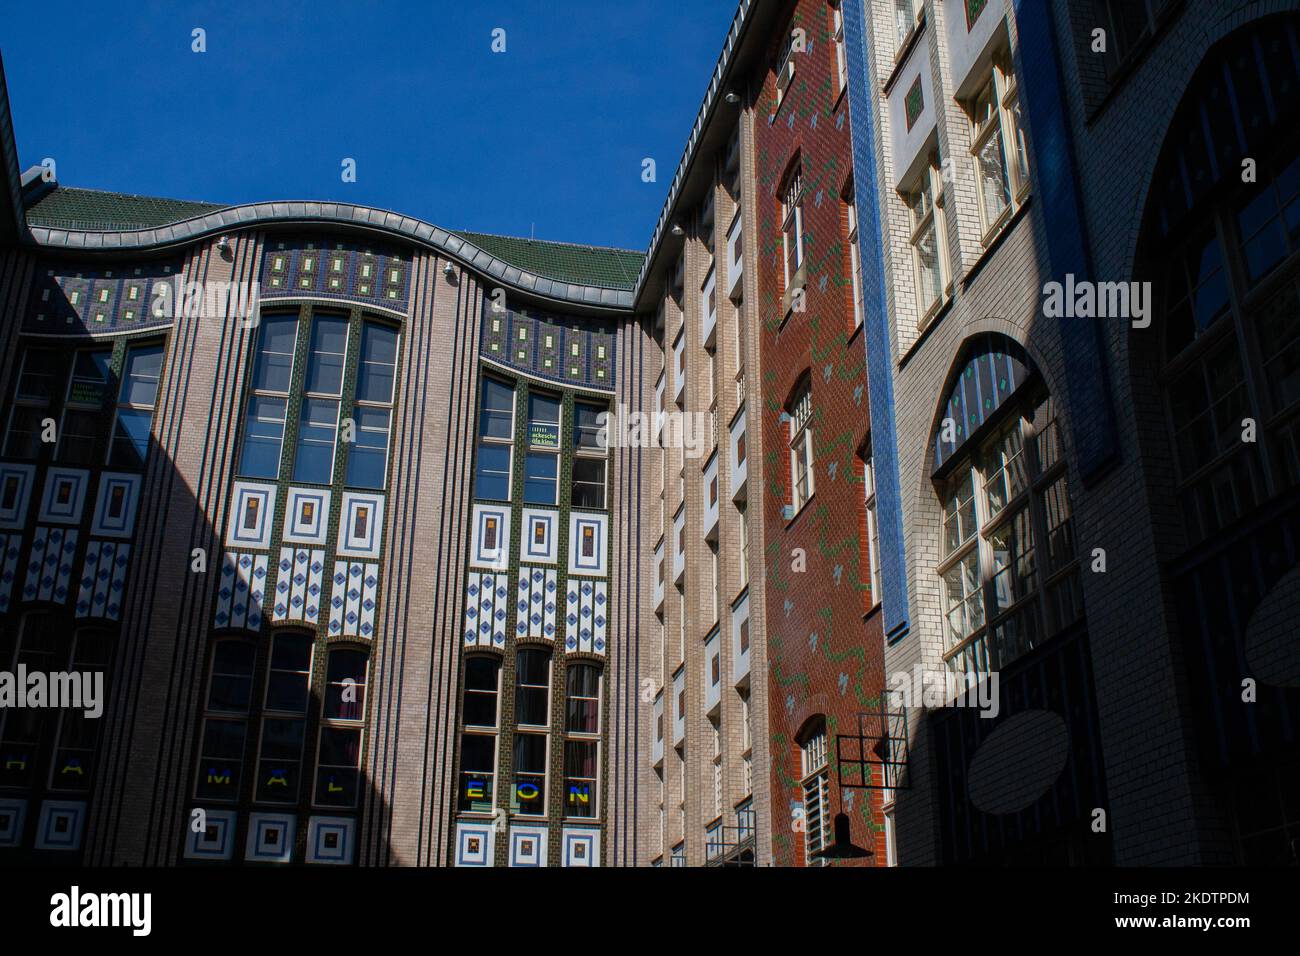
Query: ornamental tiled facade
pixel 963 354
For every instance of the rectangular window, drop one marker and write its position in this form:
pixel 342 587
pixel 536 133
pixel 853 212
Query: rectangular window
pixel 792 225
pixel 528 795
pixel 318 418
pixel 542 462
pixel 855 261
pixel 581 777
pixel 373 411
pixel 841 64
pixel 999 148
pixel 801 449
pixel 906 13
pixel 478 760
pixel 317 429
pixel 496 440
pixel 927 240
pixel 267 405
pixel 80 440
pixel 135 406
pixel 873 531
pixel 338 759
pixel 589 462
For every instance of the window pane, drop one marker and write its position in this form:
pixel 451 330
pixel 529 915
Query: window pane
pixel 497 417
pixel 317 427
pixel 368 457
pixel 274 365
pixel 995 192
pixel 43 376
pixel 541 478
pixel 543 421
pixel 140 378
pixel 588 482
pixel 586 429
pixel 220 757
pixel 88 386
pixel 493 479
pixel 345 697
pixel 329 342
pixel 263 435
pixel 378 364
pixel 131 438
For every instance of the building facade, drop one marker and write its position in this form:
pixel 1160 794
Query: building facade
pixel 1081 488
pixel 925 494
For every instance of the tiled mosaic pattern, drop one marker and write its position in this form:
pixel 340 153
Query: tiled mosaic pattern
pixel 103 579
pixel 49 569
pixel 352 600
pixel 243 586
pixel 538 593
pixel 342 269
pixel 556 348
pixel 298 586
pixel 75 300
pixel 586 616
pixel 487 602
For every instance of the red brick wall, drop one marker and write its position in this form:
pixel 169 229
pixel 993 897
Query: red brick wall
pixel 825 656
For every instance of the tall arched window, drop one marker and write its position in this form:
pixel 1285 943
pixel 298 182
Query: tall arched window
pixel 1007 566
pixel 815 781
pixel 225 721
pixel 480 715
pixel 1221 245
pixel 532 723
pixel 582 739
pixel 338 757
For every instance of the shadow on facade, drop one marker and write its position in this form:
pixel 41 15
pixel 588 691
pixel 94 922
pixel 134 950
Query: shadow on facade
pixel 102 571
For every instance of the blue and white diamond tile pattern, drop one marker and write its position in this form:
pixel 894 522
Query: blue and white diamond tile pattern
pixel 587 537
pixel 585 616
pixel 103 579
pixel 252 512
pixel 243 587
pixel 15 492
pixel 299 585
pixel 49 570
pixel 352 600
pixel 536 600
pixel 487 602
pixel 65 494
pixel 306 516
pixel 10 550
pixel 115 505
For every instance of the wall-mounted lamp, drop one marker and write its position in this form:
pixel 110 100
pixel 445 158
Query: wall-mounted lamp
pixel 677 229
pixel 732 97
pixel 448 269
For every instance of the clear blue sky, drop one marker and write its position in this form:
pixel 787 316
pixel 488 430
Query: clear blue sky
pixel 552 132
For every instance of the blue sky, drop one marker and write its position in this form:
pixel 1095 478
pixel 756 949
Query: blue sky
pixel 552 132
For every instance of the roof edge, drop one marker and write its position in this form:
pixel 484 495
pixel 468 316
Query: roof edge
pixel 382 221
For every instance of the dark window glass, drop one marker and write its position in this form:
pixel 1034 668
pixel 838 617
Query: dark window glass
pixel 481 674
pixel 532 680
